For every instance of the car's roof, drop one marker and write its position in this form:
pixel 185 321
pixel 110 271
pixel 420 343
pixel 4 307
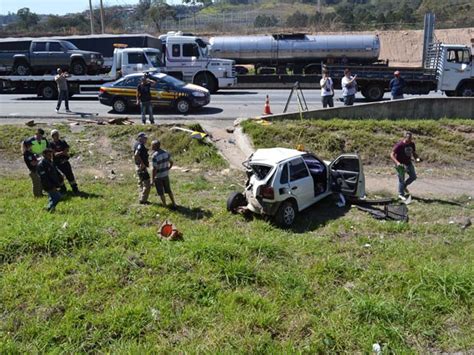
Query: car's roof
pixel 275 155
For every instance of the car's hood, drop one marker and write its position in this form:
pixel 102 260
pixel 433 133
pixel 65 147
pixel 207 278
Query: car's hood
pixel 194 87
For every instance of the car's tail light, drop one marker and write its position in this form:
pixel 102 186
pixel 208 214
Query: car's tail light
pixel 267 192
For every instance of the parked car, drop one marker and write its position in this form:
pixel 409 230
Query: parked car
pixel 282 182
pixel 167 92
pixel 47 55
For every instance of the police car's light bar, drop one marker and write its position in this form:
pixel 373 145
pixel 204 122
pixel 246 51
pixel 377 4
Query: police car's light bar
pixel 120 45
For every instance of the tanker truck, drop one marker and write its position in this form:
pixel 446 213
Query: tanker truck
pixel 298 53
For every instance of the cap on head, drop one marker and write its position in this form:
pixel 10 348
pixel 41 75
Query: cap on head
pixel 155 144
pixel 396 73
pixel 27 143
pixel 40 131
pixel 53 132
pixel 142 135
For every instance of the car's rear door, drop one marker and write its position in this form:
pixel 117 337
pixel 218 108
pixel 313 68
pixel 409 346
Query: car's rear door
pixel 301 183
pixel 347 175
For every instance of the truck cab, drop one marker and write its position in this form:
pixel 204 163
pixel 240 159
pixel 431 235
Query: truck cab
pixel 455 74
pixel 135 60
pixel 187 58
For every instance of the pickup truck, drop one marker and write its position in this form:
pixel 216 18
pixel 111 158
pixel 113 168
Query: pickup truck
pixel 44 56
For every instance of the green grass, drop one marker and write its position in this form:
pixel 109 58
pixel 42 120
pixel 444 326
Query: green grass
pixel 438 141
pixel 95 277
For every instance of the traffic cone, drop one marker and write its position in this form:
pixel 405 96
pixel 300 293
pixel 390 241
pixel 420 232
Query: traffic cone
pixel 266 108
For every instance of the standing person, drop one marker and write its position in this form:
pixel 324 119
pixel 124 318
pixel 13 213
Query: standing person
pixel 162 164
pixel 61 160
pixel 51 179
pixel 349 87
pixel 63 92
pixel 144 98
pixel 38 142
pixel 140 153
pixel 31 161
pixel 327 90
pixel 401 155
pixel 397 84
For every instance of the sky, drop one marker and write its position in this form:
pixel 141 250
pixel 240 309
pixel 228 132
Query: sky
pixel 58 7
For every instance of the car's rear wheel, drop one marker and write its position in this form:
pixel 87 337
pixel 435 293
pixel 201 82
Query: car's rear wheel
pixel 48 91
pixel 183 106
pixel 286 214
pixel 235 200
pixel 119 105
pixel 78 68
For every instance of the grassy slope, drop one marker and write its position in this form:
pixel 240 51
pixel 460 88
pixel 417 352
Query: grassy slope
pixel 438 141
pixel 94 275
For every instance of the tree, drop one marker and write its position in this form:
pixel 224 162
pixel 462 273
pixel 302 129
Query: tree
pixel 159 12
pixel 26 18
pixel 265 21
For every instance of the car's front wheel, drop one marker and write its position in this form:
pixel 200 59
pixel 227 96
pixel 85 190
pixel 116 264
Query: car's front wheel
pixel 286 214
pixel 119 105
pixel 183 106
pixel 235 200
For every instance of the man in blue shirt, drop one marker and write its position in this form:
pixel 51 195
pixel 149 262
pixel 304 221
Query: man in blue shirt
pixel 397 84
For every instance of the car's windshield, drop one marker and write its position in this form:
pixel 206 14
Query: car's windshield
pixel 261 171
pixel 169 80
pixel 154 59
pixel 69 45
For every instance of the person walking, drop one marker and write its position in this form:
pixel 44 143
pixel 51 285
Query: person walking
pixel 402 154
pixel 162 164
pixel 144 98
pixel 38 142
pixel 140 153
pixel 327 90
pixel 349 87
pixel 63 91
pixel 397 84
pixel 31 161
pixel 51 179
pixel 61 161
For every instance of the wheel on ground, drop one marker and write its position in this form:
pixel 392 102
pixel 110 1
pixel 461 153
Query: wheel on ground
pixel 373 92
pixel 286 214
pixel 467 90
pixel 119 105
pixel 235 200
pixel 21 68
pixel 78 68
pixel 207 81
pixel 48 91
pixel 183 106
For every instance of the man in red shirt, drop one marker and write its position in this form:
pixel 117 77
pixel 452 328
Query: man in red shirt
pixel 401 155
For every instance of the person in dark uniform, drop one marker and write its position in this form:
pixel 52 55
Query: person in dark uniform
pixel 51 179
pixel 144 98
pixel 140 154
pixel 38 142
pixel 61 160
pixel 31 161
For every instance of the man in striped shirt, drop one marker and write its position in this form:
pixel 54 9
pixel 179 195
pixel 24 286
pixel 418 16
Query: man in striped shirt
pixel 162 164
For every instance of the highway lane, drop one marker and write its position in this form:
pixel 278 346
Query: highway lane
pixel 225 105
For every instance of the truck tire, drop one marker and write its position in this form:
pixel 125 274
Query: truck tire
pixel 286 214
pixel 208 81
pixel 466 90
pixel 450 93
pixel 373 92
pixel 120 105
pixel 78 67
pixel 48 91
pixel 235 200
pixel 21 68
pixel 183 106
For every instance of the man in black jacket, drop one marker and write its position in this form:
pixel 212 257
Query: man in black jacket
pixel 51 179
pixel 61 161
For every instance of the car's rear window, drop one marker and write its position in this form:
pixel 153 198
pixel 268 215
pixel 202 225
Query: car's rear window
pixel 261 171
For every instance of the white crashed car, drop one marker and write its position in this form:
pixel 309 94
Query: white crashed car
pixel 281 182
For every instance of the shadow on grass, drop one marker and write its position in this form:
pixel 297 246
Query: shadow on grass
pixel 437 201
pixel 82 194
pixel 193 213
pixel 319 215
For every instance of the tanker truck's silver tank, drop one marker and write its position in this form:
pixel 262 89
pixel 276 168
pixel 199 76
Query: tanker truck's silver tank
pixel 295 48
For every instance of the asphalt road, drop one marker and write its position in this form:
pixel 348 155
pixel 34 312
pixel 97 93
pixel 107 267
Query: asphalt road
pixel 225 105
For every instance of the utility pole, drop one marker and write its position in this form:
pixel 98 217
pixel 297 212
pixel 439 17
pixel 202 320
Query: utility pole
pixel 102 16
pixel 92 17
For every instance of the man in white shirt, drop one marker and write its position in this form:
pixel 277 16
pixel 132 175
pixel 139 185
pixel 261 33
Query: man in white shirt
pixel 349 87
pixel 327 90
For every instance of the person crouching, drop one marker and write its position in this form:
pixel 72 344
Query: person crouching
pixel 51 179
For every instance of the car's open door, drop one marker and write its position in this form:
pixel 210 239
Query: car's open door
pixel 347 175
